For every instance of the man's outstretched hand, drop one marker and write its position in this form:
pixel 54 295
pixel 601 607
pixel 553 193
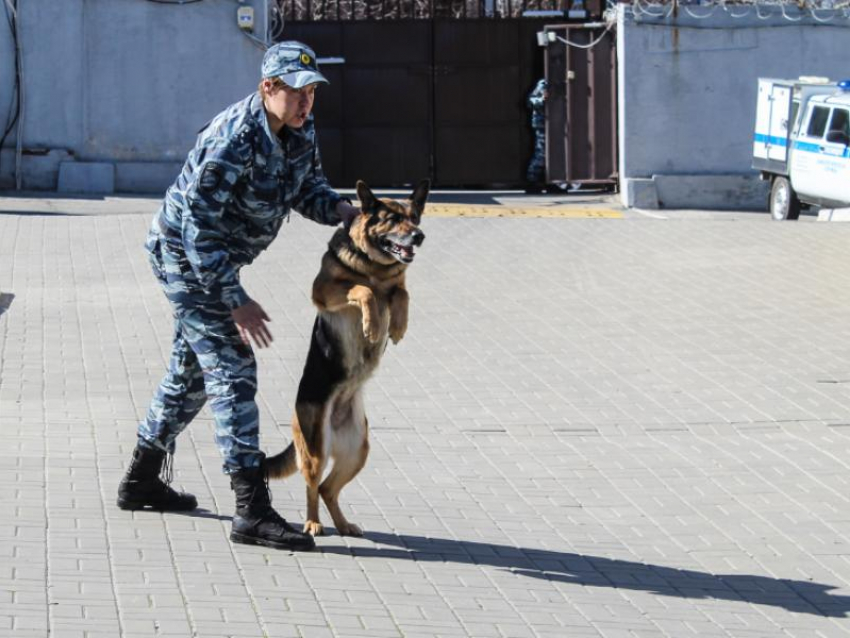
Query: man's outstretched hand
pixel 251 321
pixel 346 212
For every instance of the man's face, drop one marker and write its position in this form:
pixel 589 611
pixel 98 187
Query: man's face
pixel 288 106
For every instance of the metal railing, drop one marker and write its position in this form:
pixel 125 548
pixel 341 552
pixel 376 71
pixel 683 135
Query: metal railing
pixel 355 10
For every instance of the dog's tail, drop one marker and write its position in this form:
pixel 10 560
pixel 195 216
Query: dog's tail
pixel 282 465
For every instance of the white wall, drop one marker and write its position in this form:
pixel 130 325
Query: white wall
pixel 124 85
pixel 687 96
pixel 122 81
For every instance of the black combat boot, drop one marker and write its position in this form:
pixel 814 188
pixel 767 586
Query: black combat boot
pixel 255 521
pixel 142 487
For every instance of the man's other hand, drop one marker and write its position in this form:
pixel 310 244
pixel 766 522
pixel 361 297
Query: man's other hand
pixel 346 212
pixel 251 321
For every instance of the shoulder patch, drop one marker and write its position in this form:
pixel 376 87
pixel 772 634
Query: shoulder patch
pixel 211 177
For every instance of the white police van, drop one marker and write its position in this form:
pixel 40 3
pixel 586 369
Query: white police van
pixel 802 143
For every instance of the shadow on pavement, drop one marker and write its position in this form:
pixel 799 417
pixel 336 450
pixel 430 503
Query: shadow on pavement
pixel 38 213
pixel 33 194
pixel 6 299
pixel 485 197
pixel 202 513
pixel 580 569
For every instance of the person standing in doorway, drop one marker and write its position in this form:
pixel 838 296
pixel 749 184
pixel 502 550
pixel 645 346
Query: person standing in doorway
pixel 536 173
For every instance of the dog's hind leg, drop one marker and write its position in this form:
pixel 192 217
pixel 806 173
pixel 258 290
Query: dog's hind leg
pixel 344 470
pixel 349 449
pixel 312 473
pixel 313 526
pixel 308 429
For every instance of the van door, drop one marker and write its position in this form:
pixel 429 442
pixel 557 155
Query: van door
pixel 806 170
pixel 773 118
pixel 780 118
pixel 835 159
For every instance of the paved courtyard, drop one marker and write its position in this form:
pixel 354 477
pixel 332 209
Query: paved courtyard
pixel 625 427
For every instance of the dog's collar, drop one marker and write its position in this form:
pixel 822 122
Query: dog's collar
pixel 359 262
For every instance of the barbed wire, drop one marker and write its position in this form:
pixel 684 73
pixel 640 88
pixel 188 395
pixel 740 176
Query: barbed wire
pixel 791 10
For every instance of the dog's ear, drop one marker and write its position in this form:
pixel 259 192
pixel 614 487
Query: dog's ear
pixel 368 201
pixel 420 196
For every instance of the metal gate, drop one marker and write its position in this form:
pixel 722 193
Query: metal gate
pixel 581 112
pixel 409 99
pixel 483 73
pixel 374 119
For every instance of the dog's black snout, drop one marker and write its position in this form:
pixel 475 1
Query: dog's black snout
pixel 418 237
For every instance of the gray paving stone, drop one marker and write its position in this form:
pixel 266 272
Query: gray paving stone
pixel 625 428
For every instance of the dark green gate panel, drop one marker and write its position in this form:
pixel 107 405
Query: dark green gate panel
pixel 444 99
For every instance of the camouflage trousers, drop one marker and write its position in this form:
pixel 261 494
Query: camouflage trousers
pixel 208 360
pixel 536 173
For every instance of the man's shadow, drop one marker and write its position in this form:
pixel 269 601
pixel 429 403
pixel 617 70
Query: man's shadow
pixel 580 569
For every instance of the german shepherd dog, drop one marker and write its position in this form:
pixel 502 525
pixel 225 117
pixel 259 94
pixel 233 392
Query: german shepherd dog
pixel 362 301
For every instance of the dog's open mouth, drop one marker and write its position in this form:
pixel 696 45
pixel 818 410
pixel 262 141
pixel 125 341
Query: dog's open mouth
pixel 404 252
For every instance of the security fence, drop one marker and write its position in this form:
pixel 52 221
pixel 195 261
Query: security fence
pixel 429 88
pixel 361 10
pixel 351 10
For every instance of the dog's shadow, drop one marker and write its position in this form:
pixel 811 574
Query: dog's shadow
pixel 580 569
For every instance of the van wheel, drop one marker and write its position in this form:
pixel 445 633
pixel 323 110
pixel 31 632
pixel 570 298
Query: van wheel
pixel 783 200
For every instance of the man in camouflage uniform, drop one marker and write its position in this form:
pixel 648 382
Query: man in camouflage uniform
pixel 536 174
pixel 250 166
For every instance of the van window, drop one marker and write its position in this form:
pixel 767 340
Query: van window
pixel 817 121
pixel 840 122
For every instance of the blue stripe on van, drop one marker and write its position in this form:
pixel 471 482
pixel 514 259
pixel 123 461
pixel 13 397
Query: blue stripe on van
pixel 809 147
pixel 771 139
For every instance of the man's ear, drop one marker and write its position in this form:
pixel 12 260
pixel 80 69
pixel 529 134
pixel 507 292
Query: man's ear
pixel 420 196
pixel 268 86
pixel 367 199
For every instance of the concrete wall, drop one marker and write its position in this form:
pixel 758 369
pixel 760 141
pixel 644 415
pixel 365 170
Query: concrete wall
pixel 687 97
pixel 121 87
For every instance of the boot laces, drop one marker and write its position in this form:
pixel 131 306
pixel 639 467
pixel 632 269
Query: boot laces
pixel 266 481
pixel 168 469
pixel 271 512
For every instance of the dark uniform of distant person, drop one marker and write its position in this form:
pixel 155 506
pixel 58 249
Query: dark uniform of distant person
pixel 536 174
pixel 250 166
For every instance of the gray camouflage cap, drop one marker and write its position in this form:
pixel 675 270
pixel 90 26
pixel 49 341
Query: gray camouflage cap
pixel 294 63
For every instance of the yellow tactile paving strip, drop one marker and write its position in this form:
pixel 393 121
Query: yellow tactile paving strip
pixel 478 210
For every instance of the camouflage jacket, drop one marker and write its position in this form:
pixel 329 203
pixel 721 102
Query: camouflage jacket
pixel 538 105
pixel 237 186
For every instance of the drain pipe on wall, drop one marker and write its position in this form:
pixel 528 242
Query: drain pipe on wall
pixel 17 93
pixel 19 142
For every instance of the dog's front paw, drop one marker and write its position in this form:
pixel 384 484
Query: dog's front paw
pixel 398 326
pixel 397 333
pixel 349 529
pixel 314 528
pixel 370 331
